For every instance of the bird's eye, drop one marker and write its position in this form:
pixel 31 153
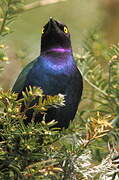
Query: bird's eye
pixel 43 30
pixel 65 30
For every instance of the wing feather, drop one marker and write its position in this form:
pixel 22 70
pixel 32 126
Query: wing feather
pixel 20 82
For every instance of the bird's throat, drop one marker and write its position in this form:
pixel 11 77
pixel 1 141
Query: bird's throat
pixel 58 61
pixel 60 50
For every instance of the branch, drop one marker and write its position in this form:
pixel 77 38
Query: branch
pixel 5 17
pixel 40 3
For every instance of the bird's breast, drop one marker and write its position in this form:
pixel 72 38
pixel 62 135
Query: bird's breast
pixel 53 77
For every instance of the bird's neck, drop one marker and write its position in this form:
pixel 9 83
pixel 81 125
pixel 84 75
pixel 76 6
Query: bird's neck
pixel 58 55
pixel 58 59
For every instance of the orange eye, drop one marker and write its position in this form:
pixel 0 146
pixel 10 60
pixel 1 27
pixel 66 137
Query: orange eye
pixel 42 31
pixel 65 30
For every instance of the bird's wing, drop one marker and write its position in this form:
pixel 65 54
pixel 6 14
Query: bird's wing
pixel 20 82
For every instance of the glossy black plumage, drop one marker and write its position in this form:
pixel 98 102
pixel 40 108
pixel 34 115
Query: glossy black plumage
pixel 55 71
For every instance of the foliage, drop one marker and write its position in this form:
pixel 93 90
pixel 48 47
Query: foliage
pixel 105 87
pixel 21 146
pixel 37 151
pixel 88 149
pixel 104 82
pixel 7 11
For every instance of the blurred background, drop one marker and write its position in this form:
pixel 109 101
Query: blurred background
pixel 81 16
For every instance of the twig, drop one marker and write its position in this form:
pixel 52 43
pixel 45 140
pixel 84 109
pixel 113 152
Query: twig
pixel 114 175
pixel 91 84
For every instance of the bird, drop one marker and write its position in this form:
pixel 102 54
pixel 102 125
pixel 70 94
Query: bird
pixel 55 72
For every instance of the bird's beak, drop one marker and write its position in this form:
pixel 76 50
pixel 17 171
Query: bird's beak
pixel 51 18
pixel 52 22
pixel 52 25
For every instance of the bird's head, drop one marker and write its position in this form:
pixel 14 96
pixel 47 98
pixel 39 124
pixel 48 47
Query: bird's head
pixel 55 36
